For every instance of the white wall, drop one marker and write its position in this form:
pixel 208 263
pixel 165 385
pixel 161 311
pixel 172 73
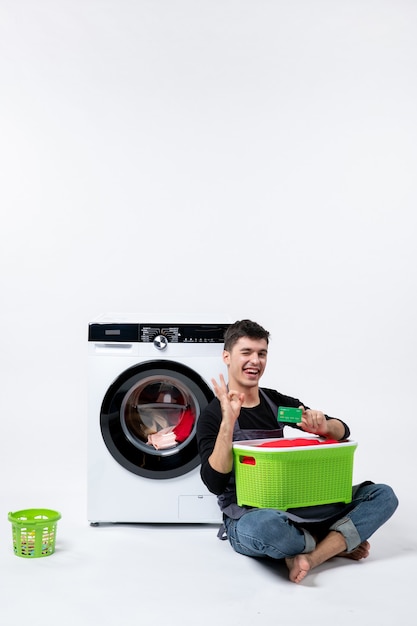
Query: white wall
pixel 246 158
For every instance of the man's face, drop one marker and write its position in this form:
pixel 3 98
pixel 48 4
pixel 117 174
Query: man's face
pixel 246 361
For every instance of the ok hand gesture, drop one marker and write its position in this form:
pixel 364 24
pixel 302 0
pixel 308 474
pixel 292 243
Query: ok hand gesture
pixel 230 401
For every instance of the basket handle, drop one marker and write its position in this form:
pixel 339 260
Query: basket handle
pixel 247 460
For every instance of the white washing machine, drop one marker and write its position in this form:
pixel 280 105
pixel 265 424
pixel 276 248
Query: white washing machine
pixel 148 383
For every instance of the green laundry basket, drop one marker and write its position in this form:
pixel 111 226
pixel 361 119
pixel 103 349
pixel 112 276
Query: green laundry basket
pixel 292 477
pixel 34 532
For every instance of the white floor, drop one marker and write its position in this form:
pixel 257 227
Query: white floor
pixel 138 574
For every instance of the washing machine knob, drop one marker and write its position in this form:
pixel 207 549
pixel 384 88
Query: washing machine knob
pixel 160 342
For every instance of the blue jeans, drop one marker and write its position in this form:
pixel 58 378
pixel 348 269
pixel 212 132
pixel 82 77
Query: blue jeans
pixel 270 533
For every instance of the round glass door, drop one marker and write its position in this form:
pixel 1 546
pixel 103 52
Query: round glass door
pixel 149 415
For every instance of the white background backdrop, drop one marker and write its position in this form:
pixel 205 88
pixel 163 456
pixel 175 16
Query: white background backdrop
pixel 231 158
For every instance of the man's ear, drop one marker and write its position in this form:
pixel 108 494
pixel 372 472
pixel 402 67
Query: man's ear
pixel 226 357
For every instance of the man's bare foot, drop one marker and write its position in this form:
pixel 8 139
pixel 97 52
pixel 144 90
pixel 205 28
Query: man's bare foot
pixel 361 552
pixel 298 566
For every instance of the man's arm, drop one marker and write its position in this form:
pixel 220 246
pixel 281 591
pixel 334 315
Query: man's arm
pixel 221 459
pixel 208 426
pixel 216 450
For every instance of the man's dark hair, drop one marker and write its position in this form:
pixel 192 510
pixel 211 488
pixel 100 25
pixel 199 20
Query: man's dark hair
pixel 244 328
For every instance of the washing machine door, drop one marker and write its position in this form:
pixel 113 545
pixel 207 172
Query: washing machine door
pixel 148 418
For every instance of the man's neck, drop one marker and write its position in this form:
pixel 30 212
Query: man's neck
pixel 251 398
pixel 251 394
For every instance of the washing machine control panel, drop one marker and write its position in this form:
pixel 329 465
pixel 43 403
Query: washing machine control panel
pixel 158 334
pixel 182 333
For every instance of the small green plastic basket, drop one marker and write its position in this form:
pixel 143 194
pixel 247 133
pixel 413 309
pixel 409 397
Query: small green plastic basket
pixel 34 532
pixel 284 478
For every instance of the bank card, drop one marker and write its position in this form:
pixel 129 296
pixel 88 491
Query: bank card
pixel 289 415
